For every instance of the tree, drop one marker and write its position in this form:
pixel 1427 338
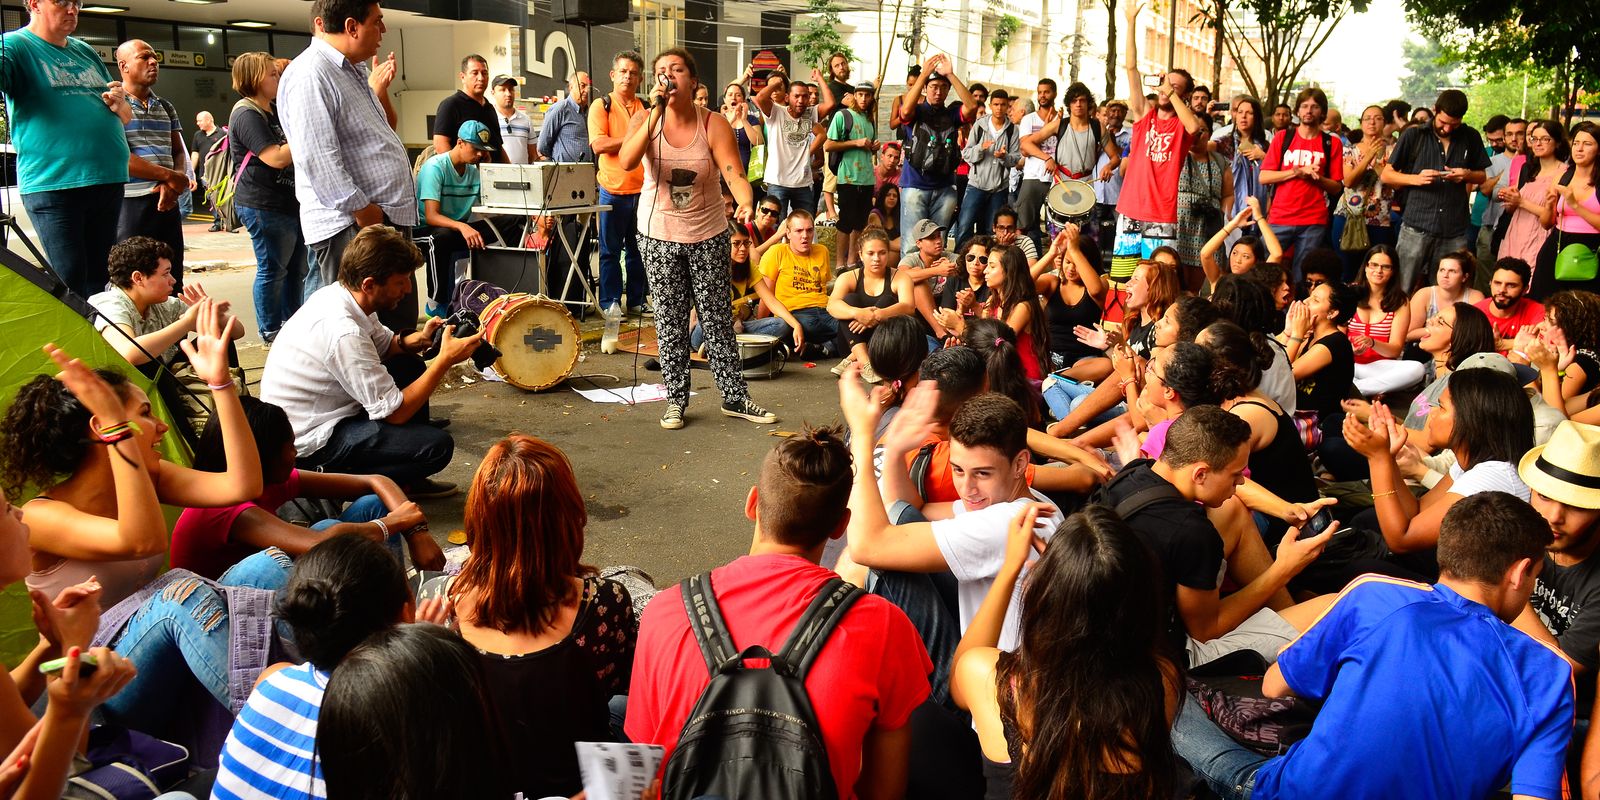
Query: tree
pixel 819 36
pixel 1111 50
pixel 1430 70
pixel 1004 28
pixel 1282 35
pixel 1506 96
pixel 1506 37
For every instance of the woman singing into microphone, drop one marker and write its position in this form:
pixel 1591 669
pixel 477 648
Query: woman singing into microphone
pixel 683 234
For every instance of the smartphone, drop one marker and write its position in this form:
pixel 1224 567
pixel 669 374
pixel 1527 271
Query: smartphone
pixel 86 666
pixel 1319 522
pixel 1152 81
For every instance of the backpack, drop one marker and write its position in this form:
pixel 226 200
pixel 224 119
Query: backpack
pixel 753 732
pixel 935 147
pixel 836 157
pixel 1229 691
pixel 221 178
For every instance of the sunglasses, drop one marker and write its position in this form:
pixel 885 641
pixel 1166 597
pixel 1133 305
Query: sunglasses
pixel 980 259
pixel 771 212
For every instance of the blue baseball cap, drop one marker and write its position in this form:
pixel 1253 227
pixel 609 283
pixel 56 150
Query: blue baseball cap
pixel 476 134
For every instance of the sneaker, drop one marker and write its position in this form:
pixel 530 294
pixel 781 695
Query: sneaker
pixel 433 309
pixel 870 375
pixel 744 409
pixel 430 489
pixel 673 418
pixel 839 368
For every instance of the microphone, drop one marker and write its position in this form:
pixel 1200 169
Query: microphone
pixel 666 88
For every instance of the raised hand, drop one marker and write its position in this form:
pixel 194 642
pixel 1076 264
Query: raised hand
pixel 1023 538
pixel 208 351
pixel 915 422
pixel 1126 443
pixel 72 618
pixel 1092 337
pixel 861 412
pixel 105 406
pixel 382 73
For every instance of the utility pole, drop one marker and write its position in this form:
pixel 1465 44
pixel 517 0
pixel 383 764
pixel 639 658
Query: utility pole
pixel 916 33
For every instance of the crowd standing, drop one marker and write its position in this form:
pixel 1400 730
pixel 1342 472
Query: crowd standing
pixel 1291 401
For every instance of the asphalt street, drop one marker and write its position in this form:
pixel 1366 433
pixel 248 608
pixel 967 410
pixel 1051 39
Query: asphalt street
pixel 669 502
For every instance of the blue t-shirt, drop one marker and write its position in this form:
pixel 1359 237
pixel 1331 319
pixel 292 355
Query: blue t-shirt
pixel 65 136
pixel 268 754
pixel 1426 694
pixel 456 192
pixel 910 178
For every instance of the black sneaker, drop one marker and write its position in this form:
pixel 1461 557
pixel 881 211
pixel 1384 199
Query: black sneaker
pixel 744 409
pixel 672 419
pixel 429 489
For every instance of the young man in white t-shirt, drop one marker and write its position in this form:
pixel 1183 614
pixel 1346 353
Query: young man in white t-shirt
pixel 794 135
pixel 966 539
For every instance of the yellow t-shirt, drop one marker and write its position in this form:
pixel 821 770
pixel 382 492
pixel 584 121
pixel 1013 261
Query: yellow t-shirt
pixel 798 281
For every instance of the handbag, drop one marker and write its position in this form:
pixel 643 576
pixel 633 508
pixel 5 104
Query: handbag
pixel 127 765
pixel 1575 262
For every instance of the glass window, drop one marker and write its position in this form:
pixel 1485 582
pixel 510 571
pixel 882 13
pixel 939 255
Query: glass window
pixel 157 34
pixel 206 41
pixel 248 42
pixel 96 30
pixel 289 45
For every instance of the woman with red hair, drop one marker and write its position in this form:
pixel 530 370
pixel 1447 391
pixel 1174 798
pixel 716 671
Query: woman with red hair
pixel 556 641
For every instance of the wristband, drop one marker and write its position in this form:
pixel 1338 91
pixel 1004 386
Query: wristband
pixel 1520 354
pixel 384 528
pixel 118 432
pixel 218 387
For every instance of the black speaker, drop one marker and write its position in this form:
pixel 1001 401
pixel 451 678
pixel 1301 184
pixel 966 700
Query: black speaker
pixel 589 12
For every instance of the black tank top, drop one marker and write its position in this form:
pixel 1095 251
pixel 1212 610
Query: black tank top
pixel 1063 318
pixel 858 297
pixel 1282 467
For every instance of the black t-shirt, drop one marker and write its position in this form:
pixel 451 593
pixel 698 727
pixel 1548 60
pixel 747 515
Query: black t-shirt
pixel 1567 600
pixel 202 143
pixel 1440 207
pixel 1183 539
pixel 260 187
pixel 459 108
pixel 1322 391
pixel 839 89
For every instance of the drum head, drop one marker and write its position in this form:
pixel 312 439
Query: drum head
pixel 1069 199
pixel 538 341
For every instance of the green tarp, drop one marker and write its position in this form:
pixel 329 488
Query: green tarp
pixel 31 317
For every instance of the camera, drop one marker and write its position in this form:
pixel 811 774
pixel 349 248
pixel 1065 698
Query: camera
pixel 466 324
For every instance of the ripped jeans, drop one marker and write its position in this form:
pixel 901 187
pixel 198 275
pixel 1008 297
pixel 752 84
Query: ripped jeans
pixel 183 631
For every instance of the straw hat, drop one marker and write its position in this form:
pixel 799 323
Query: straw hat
pixel 1567 468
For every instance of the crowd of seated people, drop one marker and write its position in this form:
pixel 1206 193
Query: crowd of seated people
pixel 1068 501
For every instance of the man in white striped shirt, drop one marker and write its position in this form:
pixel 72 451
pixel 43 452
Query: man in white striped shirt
pixel 351 169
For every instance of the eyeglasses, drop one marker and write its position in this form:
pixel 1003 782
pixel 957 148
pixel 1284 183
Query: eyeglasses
pixel 1005 228
pixel 1312 283
pixel 1379 265
pixel 980 259
pixel 65 4
pixel 1150 369
pixel 1540 139
pixel 1439 320
pixel 741 243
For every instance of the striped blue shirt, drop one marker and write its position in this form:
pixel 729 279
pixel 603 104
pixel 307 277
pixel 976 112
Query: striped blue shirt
pixel 150 138
pixel 269 752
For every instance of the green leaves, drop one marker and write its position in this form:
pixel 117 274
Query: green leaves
pixel 819 36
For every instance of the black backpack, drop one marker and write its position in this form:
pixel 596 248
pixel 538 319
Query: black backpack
pixel 837 156
pixel 935 146
pixel 753 732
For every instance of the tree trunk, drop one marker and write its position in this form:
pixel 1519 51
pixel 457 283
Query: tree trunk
pixel 1216 53
pixel 1111 50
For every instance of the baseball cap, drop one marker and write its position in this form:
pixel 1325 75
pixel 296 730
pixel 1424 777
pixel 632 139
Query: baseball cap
pixel 475 133
pixel 926 229
pixel 503 80
pixel 866 86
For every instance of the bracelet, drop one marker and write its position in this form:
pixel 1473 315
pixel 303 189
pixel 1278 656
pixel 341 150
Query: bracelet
pixel 1520 354
pixel 382 527
pixel 1123 384
pixel 1561 373
pixel 218 387
pixel 120 435
pixel 1383 494
pixel 1293 338
pixel 423 528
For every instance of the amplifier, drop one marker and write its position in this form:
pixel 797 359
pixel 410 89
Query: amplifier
pixel 544 185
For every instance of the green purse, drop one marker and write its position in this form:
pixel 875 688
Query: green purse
pixel 1575 262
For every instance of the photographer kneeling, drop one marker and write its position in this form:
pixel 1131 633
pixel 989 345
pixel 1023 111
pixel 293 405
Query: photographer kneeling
pixel 356 393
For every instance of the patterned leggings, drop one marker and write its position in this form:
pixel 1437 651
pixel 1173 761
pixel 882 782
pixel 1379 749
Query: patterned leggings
pixel 681 274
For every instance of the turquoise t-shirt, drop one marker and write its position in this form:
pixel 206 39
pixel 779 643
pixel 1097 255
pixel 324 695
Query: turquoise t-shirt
pixel 64 134
pixel 855 165
pixel 437 180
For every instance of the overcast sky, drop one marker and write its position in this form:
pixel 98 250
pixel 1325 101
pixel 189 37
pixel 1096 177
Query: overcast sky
pixel 1361 64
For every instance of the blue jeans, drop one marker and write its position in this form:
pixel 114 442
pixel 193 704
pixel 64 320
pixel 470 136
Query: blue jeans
pixel 1419 252
pixel 821 329
pixel 183 631
pixel 977 212
pixel 405 453
pixel 803 198
pixel 929 601
pixel 1304 239
pixel 1065 395
pixel 619 235
pixel 938 205
pixel 366 509
pixel 1228 767
pixel 281 267
pixel 76 229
